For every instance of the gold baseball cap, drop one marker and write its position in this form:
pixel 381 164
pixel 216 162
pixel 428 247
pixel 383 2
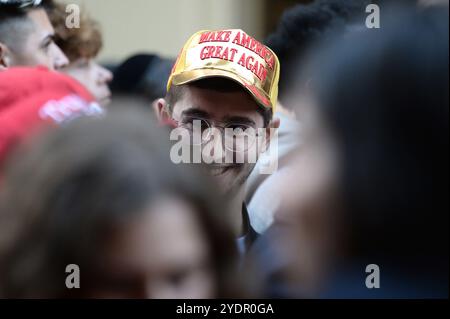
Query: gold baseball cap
pixel 231 54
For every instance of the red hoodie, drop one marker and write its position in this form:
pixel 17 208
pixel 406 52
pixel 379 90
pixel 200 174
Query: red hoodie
pixel 32 98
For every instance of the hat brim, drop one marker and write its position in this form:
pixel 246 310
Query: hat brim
pixel 199 74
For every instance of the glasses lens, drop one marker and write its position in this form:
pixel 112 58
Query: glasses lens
pixel 239 137
pixel 236 137
pixel 198 130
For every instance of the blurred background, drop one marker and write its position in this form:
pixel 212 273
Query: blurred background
pixel 126 34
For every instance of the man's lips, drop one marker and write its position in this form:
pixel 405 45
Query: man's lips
pixel 105 99
pixel 217 170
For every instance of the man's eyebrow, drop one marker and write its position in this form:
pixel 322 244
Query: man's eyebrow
pixel 239 119
pixel 195 112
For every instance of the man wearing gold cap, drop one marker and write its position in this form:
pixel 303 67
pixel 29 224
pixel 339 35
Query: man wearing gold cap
pixel 226 80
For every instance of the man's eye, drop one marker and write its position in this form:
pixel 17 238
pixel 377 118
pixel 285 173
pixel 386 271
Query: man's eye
pixel 83 63
pixel 195 122
pixel 46 46
pixel 238 128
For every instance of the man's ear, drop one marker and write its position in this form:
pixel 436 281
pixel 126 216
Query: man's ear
pixel 160 107
pixel 3 56
pixel 275 123
pixel 271 133
pixel 271 129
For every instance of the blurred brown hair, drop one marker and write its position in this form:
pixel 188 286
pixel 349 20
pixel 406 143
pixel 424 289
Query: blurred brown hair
pixel 83 42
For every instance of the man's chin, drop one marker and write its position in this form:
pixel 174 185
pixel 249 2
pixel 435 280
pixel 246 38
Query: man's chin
pixel 228 178
pixel 104 101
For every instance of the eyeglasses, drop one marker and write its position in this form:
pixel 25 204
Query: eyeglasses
pixel 20 4
pixel 237 137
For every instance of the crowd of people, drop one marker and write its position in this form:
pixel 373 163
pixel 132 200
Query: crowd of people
pixel 313 164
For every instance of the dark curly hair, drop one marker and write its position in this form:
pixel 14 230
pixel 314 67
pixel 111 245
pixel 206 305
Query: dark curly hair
pixel 305 24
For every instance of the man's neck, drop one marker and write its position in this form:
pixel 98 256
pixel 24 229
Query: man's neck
pixel 236 211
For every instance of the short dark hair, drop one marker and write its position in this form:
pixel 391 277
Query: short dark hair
pixel 217 84
pixel 142 74
pixel 302 26
pixel 14 29
pixel 15 24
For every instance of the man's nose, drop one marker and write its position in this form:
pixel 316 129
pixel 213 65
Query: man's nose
pixel 106 76
pixel 214 147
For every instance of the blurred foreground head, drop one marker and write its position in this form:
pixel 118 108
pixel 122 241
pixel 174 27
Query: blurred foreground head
pixel 103 194
pixel 372 177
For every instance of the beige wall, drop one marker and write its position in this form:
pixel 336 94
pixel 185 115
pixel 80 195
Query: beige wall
pixel 162 26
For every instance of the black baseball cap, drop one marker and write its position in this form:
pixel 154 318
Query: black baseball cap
pixel 144 74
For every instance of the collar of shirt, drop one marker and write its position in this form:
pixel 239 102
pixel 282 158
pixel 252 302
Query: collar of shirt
pixel 250 235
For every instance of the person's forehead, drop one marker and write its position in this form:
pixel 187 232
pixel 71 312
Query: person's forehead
pixel 219 104
pixel 41 21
